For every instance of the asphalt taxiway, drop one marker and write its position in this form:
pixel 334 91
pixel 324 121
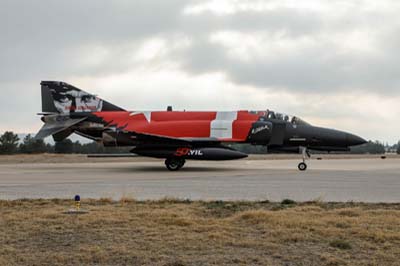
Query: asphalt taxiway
pixel 367 180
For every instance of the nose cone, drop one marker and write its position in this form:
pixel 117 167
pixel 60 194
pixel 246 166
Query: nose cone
pixel 353 140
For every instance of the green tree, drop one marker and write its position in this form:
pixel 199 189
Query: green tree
pixel 65 146
pixel 398 147
pixel 8 143
pixel 31 145
pixel 92 147
pixel 371 147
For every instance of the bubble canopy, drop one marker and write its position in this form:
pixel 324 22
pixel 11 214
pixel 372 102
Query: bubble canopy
pixel 287 118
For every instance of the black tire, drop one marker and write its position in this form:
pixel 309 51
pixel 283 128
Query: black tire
pixel 302 166
pixel 174 164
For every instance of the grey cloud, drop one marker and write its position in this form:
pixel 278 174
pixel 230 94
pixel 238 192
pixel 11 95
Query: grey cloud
pixel 46 40
pixel 321 68
pixel 314 70
pixel 291 21
pixel 318 71
pixel 42 37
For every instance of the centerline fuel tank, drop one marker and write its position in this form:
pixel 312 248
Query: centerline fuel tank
pixel 209 153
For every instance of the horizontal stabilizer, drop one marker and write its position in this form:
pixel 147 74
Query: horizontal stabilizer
pixel 54 127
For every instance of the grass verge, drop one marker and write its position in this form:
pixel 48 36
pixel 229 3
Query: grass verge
pixel 184 232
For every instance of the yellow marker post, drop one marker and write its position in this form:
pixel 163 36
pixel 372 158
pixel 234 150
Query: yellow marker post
pixel 77 202
pixel 77 209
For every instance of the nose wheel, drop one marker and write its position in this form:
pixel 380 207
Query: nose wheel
pixel 174 164
pixel 303 166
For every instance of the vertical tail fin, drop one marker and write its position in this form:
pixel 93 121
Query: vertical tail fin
pixel 60 97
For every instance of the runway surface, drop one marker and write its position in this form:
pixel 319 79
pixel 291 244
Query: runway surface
pixel 369 180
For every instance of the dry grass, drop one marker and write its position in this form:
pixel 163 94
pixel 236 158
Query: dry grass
pixel 175 232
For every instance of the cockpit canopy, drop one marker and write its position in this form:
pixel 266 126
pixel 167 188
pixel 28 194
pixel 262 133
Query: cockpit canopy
pixel 287 118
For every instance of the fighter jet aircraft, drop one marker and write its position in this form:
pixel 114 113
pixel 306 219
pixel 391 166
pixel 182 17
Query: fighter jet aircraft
pixel 177 136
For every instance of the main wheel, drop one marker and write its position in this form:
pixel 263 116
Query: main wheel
pixel 174 164
pixel 302 166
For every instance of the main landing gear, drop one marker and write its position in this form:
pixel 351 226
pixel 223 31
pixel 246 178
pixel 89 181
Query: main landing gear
pixel 174 164
pixel 303 166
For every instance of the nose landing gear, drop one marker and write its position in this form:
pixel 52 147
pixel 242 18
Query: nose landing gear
pixel 303 166
pixel 174 164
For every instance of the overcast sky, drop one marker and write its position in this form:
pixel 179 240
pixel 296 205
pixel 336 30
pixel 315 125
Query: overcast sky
pixel 333 63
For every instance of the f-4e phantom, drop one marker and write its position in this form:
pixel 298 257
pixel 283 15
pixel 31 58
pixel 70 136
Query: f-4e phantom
pixel 177 136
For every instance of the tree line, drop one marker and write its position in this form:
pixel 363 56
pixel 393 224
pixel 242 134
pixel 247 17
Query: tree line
pixel 11 144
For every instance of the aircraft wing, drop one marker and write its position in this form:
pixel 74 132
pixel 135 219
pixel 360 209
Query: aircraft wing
pixel 145 139
pixel 179 141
